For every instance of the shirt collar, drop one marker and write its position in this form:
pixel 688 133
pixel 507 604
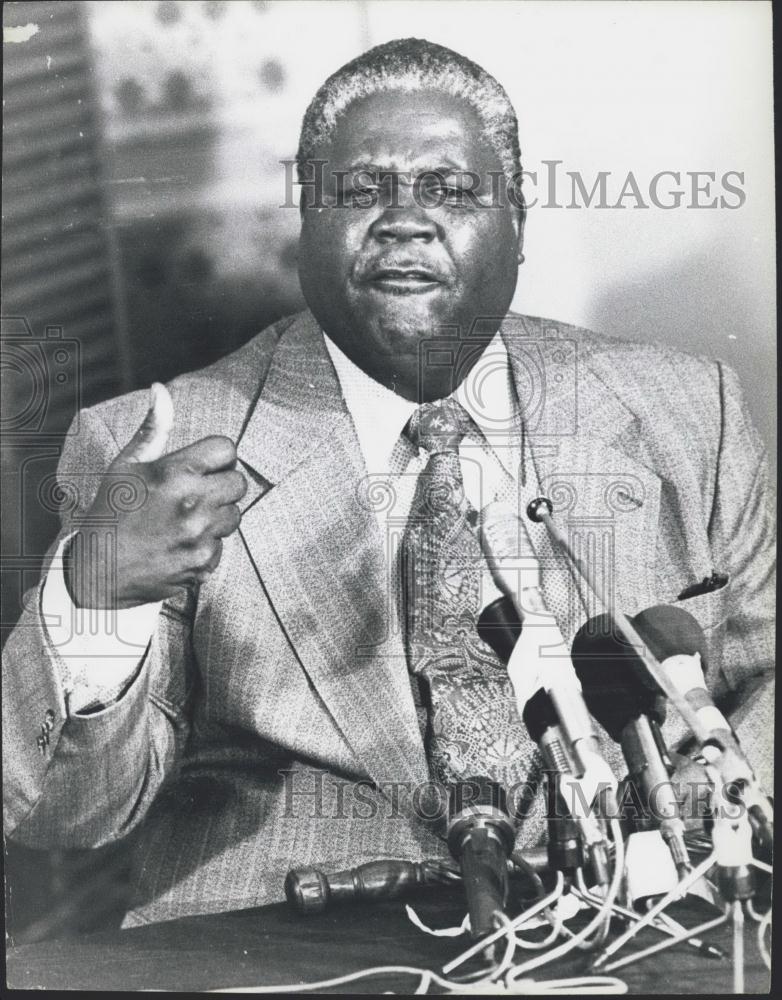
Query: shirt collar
pixel 380 415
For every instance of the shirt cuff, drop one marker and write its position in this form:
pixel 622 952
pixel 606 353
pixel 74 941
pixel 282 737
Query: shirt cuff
pixel 97 651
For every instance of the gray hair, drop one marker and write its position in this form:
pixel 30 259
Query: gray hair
pixel 411 64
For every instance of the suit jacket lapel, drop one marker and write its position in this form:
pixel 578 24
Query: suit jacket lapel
pixel 318 551
pixel 587 458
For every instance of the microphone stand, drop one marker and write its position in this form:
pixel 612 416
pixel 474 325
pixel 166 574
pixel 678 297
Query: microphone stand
pixel 646 919
pixel 686 936
pixel 732 856
pixel 663 923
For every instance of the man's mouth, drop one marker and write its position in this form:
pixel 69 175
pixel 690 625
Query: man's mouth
pixel 403 280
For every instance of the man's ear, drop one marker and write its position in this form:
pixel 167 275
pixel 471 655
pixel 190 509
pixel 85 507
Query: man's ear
pixel 521 218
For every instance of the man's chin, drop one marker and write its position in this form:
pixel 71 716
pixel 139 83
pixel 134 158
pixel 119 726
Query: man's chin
pixel 406 339
pixel 405 320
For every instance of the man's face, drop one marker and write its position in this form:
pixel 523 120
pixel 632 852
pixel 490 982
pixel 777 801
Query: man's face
pixel 387 262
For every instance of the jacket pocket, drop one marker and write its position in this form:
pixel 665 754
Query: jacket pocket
pixel 711 609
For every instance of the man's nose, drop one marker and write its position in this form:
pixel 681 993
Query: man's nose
pixel 403 221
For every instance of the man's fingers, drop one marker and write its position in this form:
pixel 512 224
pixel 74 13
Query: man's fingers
pixel 203 525
pixel 210 454
pixel 206 562
pixel 150 440
pixel 224 487
pixel 209 492
pixel 226 520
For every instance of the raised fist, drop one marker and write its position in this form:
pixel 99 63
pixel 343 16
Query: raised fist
pixel 120 558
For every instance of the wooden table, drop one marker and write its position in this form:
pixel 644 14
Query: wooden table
pixel 272 945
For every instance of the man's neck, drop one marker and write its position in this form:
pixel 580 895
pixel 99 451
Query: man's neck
pixel 487 393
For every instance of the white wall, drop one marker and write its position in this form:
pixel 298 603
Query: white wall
pixel 641 87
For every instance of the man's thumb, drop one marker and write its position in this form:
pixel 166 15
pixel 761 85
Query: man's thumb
pixel 150 440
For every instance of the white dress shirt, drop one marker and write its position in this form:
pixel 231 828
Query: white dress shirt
pixel 99 652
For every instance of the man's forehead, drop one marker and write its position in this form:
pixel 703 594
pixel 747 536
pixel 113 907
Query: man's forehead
pixel 406 131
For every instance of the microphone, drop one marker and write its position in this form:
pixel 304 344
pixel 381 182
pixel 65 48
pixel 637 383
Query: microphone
pixel 566 832
pixel 481 837
pixel 515 569
pixel 665 628
pixel 630 707
pixel 499 626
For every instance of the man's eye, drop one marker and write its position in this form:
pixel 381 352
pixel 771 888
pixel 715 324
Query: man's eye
pixel 358 193
pixel 448 194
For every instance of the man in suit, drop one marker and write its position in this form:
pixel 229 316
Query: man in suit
pixel 216 661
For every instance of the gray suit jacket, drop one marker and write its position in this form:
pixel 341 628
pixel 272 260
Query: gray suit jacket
pixel 272 723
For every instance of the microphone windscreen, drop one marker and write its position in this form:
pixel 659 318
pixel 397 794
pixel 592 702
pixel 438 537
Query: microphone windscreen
pixel 670 631
pixel 615 682
pixel 499 625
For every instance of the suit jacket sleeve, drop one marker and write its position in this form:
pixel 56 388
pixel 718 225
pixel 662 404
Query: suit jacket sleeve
pixel 743 543
pixel 81 781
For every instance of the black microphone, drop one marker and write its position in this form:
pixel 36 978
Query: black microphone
pixel 626 701
pixel 481 838
pixel 499 625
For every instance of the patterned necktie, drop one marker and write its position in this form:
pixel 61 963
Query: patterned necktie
pixel 473 726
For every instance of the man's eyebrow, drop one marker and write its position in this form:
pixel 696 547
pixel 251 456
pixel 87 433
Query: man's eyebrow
pixel 446 169
pixel 364 167
pixel 367 166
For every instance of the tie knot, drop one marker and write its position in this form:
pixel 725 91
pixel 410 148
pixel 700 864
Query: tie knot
pixel 438 427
